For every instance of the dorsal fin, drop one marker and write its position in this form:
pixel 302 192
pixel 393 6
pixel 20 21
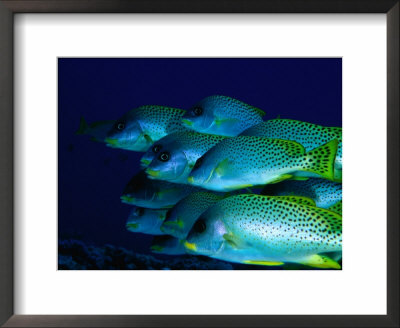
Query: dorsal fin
pixel 296 199
pixel 258 111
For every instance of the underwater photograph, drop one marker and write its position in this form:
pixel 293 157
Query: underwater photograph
pixel 199 163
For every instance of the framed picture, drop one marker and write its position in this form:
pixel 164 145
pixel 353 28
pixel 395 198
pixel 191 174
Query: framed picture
pixel 134 187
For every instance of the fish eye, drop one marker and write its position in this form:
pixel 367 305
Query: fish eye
pixel 164 157
pixel 140 211
pixel 156 148
pixel 168 215
pixel 197 110
pixel 199 226
pixel 198 163
pixel 120 126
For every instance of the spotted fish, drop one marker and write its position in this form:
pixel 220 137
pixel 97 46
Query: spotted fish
pixel 146 220
pixel 222 115
pixel 167 245
pixel 309 135
pixel 138 129
pixel 325 193
pixel 144 192
pixel 247 161
pixel 267 230
pixel 97 130
pixel 180 218
pixel 173 157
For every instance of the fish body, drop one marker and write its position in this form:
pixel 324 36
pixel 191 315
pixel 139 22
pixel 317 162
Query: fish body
pixel 148 193
pixel 325 193
pixel 176 155
pixel 222 115
pixel 267 230
pixel 145 220
pixel 167 245
pixel 138 129
pixel 307 134
pixel 97 130
pixel 182 216
pixel 247 161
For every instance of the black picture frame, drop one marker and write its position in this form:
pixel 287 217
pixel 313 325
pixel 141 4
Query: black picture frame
pixel 10 7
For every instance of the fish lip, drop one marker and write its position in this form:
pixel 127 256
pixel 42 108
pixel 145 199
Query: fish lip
pixel 127 199
pixel 133 226
pixel 111 142
pixel 145 162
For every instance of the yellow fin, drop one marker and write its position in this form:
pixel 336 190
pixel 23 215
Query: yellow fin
pixel 281 178
pixel 297 178
pixel 268 263
pixel 231 240
pixel 297 199
pixel 320 261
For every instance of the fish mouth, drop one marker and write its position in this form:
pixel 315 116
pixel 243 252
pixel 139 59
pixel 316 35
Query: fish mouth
pixel 187 122
pixel 190 246
pixel 153 173
pixel 127 199
pixel 156 248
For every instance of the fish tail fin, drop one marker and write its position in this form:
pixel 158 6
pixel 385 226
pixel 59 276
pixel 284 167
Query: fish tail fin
pixel 83 126
pixel 320 261
pixel 321 160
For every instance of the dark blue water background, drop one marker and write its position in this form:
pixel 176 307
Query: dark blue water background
pixel 92 176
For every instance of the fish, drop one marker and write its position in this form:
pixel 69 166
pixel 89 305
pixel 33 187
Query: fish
pixel 167 245
pixel 222 115
pixel 97 130
pixel 247 161
pixel 146 220
pixel 325 193
pixel 307 134
pixel 180 219
pixel 177 154
pixel 144 192
pixel 267 230
pixel 138 129
pixel 337 207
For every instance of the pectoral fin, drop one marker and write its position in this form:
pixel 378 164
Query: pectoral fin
pixel 222 167
pixel 232 240
pixel 148 139
pixel 225 121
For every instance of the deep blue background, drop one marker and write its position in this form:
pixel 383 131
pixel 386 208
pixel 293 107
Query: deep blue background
pixel 92 176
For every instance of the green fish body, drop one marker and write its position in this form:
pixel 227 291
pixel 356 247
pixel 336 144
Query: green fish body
pixel 325 193
pixel 143 192
pixel 222 115
pixel 181 217
pixel 267 230
pixel 176 155
pixel 138 129
pixel 167 245
pixel 145 220
pixel 247 161
pixel 97 130
pixel 307 134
